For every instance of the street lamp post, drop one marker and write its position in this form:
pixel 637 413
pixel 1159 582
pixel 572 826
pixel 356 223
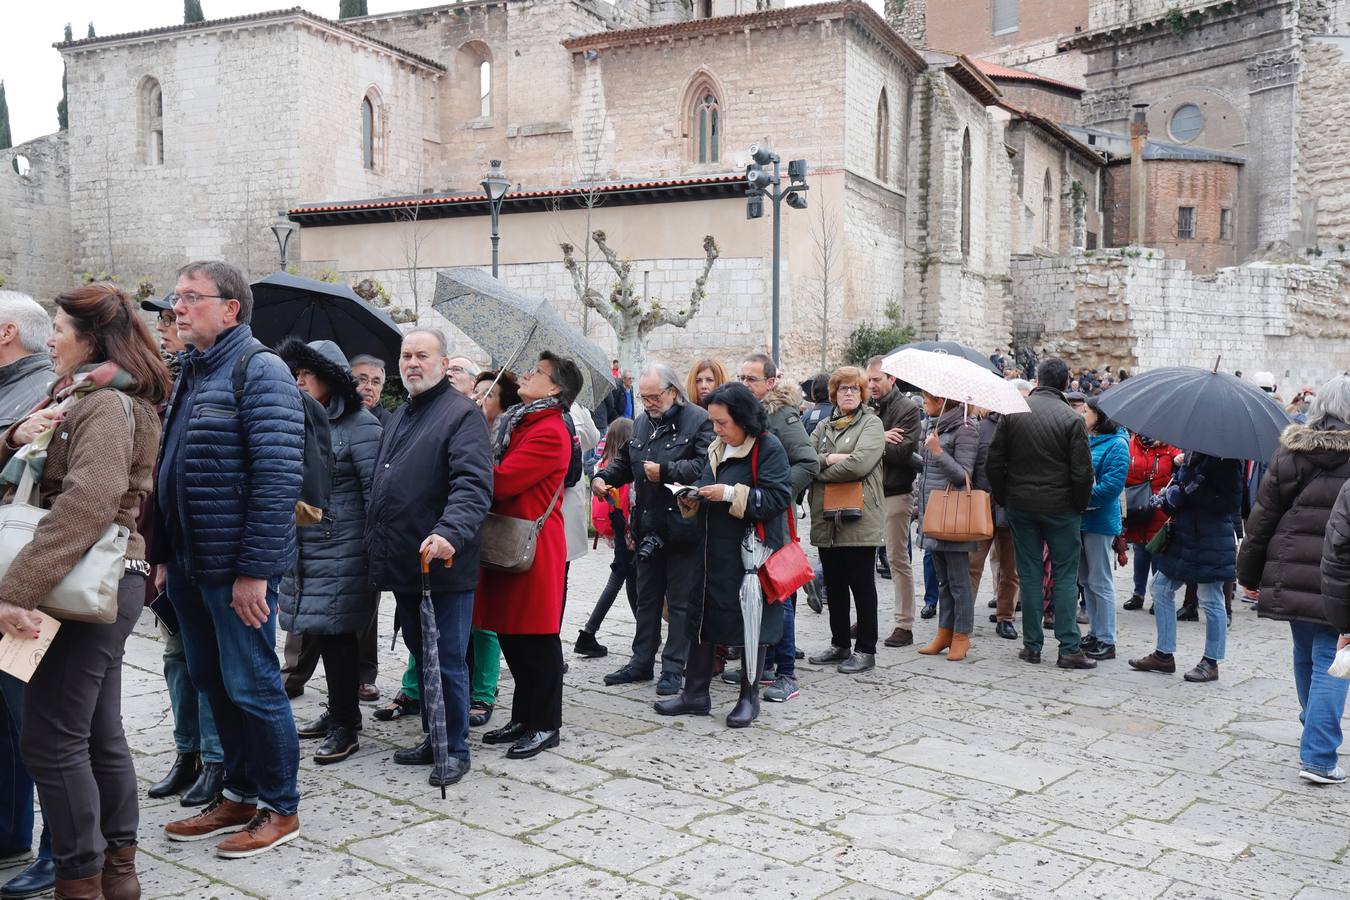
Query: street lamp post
pixel 282 229
pixel 758 183
pixel 495 185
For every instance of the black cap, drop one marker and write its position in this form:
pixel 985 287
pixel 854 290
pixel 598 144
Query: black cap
pixel 162 304
pixel 1075 397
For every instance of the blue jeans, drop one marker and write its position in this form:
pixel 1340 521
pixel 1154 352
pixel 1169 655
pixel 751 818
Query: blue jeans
pixel 783 655
pixel 1164 589
pixel 930 580
pixel 1321 696
pixel 16 785
pixel 1143 565
pixel 236 667
pixel 1094 573
pixel 194 728
pixel 454 616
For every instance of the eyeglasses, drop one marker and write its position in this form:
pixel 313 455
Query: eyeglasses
pixel 752 379
pixel 371 380
pixel 192 298
pixel 652 398
pixel 849 389
pixel 459 370
pixel 167 318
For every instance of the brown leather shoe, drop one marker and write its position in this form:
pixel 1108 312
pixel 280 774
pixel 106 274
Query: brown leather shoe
pixel 221 816
pixel 90 888
pixel 1155 663
pixel 267 830
pixel 1077 660
pixel 119 874
pixel 367 693
pixel 900 637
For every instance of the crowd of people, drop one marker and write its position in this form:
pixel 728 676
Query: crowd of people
pixel 261 487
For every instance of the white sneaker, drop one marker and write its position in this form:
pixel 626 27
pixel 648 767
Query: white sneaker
pixel 1335 776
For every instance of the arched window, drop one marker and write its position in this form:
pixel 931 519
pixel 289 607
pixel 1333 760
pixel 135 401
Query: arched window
pixel 965 194
pixel 367 134
pixel 883 149
pixel 707 127
pixel 152 123
pixel 485 88
pixel 1047 205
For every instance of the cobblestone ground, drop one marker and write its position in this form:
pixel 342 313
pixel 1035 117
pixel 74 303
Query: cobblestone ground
pixel 923 778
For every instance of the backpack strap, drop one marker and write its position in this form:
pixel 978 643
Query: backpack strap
pixel 239 372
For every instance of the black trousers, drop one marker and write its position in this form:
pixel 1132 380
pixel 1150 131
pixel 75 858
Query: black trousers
pixel 341 655
pixel 369 638
pixel 849 570
pixel 73 743
pixel 536 665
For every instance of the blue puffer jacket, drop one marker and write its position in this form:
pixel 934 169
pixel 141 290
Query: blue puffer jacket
pixel 1110 465
pixel 1204 498
pixel 228 479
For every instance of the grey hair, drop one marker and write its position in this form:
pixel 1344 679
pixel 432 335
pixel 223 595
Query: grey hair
pixel 229 281
pixel 441 343
pixel 1022 385
pixel 668 379
pixel 1331 402
pixel 34 325
pixel 472 368
pixel 365 359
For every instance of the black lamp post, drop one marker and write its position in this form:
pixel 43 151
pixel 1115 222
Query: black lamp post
pixel 495 185
pixel 759 183
pixel 282 230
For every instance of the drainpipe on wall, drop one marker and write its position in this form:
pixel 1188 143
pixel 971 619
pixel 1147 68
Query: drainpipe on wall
pixel 1138 183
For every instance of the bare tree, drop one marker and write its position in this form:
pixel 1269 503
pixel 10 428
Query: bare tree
pixel 632 316
pixel 587 177
pixel 412 235
pixel 827 279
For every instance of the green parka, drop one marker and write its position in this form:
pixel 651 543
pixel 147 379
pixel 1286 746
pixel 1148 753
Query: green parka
pixel 863 440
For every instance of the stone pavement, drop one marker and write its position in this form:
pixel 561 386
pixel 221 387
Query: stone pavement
pixel 924 778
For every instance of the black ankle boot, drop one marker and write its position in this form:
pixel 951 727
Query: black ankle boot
pixel 694 699
pixel 207 787
pixel 746 709
pixel 185 769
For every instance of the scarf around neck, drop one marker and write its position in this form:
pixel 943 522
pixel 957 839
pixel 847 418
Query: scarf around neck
pixel 507 422
pixel 841 420
pixel 63 394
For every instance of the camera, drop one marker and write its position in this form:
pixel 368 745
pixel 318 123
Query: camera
pixel 648 546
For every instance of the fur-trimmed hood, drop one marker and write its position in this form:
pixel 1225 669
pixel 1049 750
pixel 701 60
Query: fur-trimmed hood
pixel 1303 439
pixel 785 395
pixel 326 360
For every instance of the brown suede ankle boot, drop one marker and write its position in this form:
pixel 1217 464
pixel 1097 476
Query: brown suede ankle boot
pixel 941 642
pixel 90 888
pixel 959 646
pixel 119 874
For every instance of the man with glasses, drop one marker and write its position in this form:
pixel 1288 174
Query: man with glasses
pixel 462 374
pixel 903 421
pixel 369 374
pixel 669 446
pixel 228 479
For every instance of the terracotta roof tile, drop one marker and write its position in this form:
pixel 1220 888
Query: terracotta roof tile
pixel 995 71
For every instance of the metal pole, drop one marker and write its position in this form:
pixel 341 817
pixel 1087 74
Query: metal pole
pixel 496 238
pixel 777 243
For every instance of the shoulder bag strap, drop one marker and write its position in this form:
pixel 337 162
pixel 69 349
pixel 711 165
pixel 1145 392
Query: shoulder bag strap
pixel 539 522
pixel 754 483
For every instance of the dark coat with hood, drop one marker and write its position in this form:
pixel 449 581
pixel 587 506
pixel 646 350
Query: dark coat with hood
pixel 898 470
pixel 329 590
pixel 783 405
pixel 1203 499
pixel 762 499
pixel 1040 461
pixel 1336 564
pixel 1282 553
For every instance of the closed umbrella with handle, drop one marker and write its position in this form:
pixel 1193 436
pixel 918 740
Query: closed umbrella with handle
pixel 433 693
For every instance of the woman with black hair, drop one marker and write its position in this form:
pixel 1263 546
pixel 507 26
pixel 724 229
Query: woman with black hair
pixel 1101 524
pixel 327 598
pixel 745 485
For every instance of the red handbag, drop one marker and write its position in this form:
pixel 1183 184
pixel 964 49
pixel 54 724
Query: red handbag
pixel 787 568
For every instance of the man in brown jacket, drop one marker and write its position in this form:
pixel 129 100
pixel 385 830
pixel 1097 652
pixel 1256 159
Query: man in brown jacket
pixel 901 418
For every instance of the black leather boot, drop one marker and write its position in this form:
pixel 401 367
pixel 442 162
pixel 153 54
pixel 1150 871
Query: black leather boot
pixel 746 709
pixel 185 769
pixel 207 787
pixel 693 699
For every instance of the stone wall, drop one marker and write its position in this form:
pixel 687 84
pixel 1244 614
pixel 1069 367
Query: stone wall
pixel 1114 13
pixel 1323 210
pixel 1137 310
pixel 35 245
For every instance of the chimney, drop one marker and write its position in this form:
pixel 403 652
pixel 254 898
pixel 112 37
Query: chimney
pixel 1138 182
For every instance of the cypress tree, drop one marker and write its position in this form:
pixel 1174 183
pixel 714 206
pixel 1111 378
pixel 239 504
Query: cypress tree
pixel 91 31
pixel 5 140
pixel 62 119
pixel 349 8
pixel 192 12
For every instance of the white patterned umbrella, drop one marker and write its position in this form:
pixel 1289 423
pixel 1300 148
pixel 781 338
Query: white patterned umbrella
pixel 954 378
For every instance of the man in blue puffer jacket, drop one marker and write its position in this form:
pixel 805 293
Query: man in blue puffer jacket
pixel 228 480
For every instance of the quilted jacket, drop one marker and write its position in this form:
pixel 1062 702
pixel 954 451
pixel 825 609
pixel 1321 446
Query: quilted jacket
pixel 231 479
pixel 1040 461
pixel 1204 498
pixel 1336 564
pixel 1110 463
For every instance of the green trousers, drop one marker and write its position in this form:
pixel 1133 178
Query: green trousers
pixel 484 669
pixel 1061 533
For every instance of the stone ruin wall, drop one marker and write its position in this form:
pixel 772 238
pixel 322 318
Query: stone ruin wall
pixel 36 251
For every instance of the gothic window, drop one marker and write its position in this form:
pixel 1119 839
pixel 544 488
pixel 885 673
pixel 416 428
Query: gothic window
pixel 485 88
pixel 706 127
pixel 705 8
pixel 1226 224
pixel 1047 206
pixel 152 118
pixel 367 134
pixel 965 194
pixel 883 149
pixel 1005 16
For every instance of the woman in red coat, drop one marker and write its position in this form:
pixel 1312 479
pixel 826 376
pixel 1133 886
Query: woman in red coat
pixel 532 449
pixel 1150 461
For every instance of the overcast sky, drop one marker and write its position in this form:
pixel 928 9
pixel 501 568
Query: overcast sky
pixel 31 69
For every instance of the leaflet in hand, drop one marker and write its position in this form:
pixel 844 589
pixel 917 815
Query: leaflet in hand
pixel 20 657
pixel 682 490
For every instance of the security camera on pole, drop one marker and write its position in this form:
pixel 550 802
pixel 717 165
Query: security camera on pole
pixel 758 183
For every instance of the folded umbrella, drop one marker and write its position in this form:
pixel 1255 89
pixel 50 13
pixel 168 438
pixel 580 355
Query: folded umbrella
pixel 955 378
pixel 512 326
pixel 753 553
pixel 286 304
pixel 1207 411
pixel 433 697
pixel 951 348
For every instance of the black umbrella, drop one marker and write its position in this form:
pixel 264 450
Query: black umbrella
pixel 433 697
pixel 285 304
pixel 950 347
pixel 1197 409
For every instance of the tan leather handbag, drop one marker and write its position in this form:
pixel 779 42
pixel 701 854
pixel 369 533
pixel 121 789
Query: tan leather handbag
pixel 958 516
pixel 843 501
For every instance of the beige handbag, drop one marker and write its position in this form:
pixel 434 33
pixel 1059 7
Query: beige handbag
pixel 509 543
pixel 88 592
pixel 958 516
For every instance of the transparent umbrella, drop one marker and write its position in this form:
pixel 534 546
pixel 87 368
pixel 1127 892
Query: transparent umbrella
pixel 753 553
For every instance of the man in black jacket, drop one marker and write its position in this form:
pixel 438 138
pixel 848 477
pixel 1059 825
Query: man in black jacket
pixel 669 446
pixel 901 418
pixel 1040 471
pixel 431 491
